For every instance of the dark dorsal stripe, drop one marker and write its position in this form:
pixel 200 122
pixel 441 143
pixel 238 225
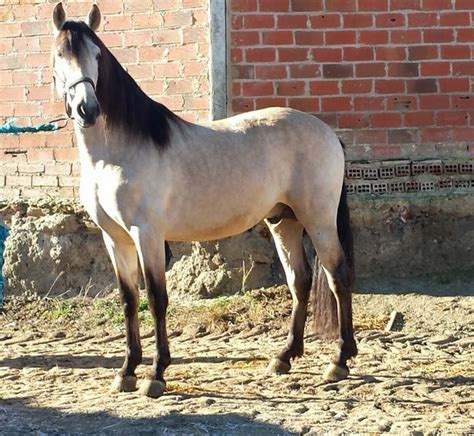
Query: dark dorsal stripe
pixel 124 105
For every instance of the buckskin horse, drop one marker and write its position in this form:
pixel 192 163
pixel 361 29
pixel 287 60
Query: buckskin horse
pixel 148 176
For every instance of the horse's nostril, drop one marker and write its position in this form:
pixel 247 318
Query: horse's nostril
pixel 81 111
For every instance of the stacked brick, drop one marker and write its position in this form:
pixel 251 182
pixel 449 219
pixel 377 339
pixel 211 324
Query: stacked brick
pixel 395 77
pixel 163 44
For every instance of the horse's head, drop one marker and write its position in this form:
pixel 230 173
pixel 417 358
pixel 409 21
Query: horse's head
pixel 76 65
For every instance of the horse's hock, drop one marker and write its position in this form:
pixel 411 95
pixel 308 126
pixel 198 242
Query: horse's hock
pixel 53 248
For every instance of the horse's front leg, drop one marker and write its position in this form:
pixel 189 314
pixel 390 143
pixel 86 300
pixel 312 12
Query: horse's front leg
pixel 124 258
pixel 151 252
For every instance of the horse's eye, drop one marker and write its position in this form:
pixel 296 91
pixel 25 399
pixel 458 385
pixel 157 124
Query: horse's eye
pixel 59 54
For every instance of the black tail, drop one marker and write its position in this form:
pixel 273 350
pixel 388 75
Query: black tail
pixel 326 323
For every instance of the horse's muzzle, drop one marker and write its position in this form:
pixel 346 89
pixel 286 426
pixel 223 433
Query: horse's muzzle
pixel 88 113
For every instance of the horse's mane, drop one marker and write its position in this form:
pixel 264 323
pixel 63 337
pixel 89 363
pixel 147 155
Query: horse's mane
pixel 124 104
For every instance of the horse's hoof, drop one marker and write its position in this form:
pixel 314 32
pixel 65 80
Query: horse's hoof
pixel 277 366
pixel 335 373
pixel 124 384
pixel 152 388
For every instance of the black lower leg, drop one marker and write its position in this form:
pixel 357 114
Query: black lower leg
pixel 158 300
pixel 295 343
pixel 348 347
pixel 133 356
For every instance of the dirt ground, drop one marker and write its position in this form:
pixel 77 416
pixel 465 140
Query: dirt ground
pixel 58 358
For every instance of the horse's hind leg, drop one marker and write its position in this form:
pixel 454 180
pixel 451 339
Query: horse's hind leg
pixel 125 261
pixel 331 255
pixel 288 236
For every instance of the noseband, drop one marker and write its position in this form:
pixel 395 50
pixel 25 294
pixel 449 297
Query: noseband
pixel 68 87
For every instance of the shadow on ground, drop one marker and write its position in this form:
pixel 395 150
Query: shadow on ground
pixel 20 416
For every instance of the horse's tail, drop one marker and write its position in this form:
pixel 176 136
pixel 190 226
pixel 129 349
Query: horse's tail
pixel 324 303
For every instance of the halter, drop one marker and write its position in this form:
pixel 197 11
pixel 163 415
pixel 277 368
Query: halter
pixel 68 87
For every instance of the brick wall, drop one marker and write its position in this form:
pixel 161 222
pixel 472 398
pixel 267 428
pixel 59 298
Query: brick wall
pixel 163 44
pixel 395 77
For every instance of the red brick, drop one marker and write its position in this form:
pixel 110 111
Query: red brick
pixel 465 35
pixel 8 30
pixel 271 72
pixel 327 54
pixel 403 69
pixel 294 54
pixel 464 4
pixel 452 118
pixel 422 52
pixel 353 121
pixel 386 120
pixel 455 52
pixel 270 102
pixel 389 86
pixel 390 53
pixel 304 104
pixel 463 68
pixel 400 103
pixel 462 102
pixel 69 154
pixel 370 136
pixel 434 102
pixel 373 37
pixel 463 134
pixel 243 5
pixel 236 89
pixel 338 70
pixel 118 22
pixel 325 21
pixel 454 85
pixel 259 21
pixel 425 118
pixel 356 86
pixel 422 19
pixel 243 38
pixel 40 155
pixel 376 69
pixel 292 22
pixel 389 20
pixel 433 134
pixel 250 89
pixel 290 88
pixel 236 55
pixel 341 5
pixel 405 5
pixel 304 71
pixel 435 68
pixel 406 36
pixel 358 53
pixel 436 5
pixel 306 5
pixel 260 54
pixel 324 87
pixel 454 19
pixel 309 37
pixel 277 38
pixel 373 5
pixel 12 93
pixel 336 104
pixel 357 20
pixel 340 37
pixel 237 22
pixel 274 5
pixel 420 86
pixel 438 35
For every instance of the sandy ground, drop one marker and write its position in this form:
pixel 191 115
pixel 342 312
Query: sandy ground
pixel 55 379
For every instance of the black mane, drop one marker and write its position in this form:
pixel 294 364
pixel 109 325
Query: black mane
pixel 124 104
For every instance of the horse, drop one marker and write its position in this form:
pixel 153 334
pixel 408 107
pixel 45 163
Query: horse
pixel 148 176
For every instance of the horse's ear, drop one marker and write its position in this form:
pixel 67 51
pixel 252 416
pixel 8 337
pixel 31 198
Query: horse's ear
pixel 59 17
pixel 93 19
